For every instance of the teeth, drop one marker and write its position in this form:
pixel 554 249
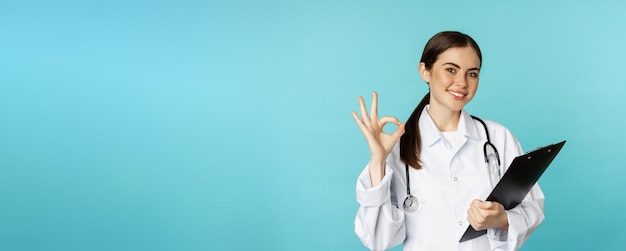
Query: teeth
pixel 456 94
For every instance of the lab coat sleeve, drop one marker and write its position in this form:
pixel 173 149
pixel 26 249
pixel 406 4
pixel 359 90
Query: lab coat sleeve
pixel 525 217
pixel 379 223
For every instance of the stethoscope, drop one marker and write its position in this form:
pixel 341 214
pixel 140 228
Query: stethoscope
pixel 491 158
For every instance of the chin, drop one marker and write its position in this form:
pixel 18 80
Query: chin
pixel 457 108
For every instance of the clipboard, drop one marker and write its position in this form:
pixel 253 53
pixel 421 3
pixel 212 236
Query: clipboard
pixel 519 178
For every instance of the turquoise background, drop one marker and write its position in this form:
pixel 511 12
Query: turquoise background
pixel 195 125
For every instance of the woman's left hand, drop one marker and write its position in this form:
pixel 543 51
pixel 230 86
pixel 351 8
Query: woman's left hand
pixel 487 214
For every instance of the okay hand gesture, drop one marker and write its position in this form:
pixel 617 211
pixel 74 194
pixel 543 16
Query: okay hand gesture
pixel 379 142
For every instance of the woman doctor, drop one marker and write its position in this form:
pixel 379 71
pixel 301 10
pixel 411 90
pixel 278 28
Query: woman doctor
pixel 441 147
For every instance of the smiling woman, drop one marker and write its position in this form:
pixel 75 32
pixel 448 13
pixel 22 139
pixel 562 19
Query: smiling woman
pixel 426 206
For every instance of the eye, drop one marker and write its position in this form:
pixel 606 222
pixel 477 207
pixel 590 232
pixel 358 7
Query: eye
pixel 473 74
pixel 451 70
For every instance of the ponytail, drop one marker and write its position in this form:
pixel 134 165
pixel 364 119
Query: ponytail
pixel 411 142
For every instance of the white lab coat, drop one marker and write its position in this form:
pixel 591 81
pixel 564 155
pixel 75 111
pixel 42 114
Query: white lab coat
pixel 448 181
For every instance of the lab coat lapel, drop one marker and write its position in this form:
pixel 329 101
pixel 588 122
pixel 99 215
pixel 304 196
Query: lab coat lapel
pixel 429 132
pixel 467 128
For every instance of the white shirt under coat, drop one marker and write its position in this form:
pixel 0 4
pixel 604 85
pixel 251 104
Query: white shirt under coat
pixel 451 177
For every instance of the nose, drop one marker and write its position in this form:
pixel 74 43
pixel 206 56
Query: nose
pixel 460 81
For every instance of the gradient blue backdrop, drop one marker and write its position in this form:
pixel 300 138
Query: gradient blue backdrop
pixel 195 125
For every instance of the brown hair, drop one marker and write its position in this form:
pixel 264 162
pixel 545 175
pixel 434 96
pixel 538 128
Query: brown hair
pixel 411 141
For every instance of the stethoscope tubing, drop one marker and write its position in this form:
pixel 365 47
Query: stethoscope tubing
pixel 410 204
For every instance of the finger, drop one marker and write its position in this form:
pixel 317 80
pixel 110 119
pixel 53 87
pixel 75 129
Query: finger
pixel 471 218
pixel 470 215
pixel 486 205
pixel 363 111
pixel 374 108
pixel 475 211
pixel 479 214
pixel 476 203
pixel 476 219
pixel 363 127
pixel 388 119
pixel 399 131
pixel 358 120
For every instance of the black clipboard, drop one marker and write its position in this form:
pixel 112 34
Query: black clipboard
pixel 519 178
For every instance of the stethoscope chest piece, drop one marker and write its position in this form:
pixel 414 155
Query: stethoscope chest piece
pixel 410 203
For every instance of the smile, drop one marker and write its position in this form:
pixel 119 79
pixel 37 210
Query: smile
pixel 457 95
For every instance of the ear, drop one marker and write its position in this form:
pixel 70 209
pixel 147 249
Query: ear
pixel 424 73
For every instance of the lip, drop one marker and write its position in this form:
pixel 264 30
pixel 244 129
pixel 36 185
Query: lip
pixel 456 95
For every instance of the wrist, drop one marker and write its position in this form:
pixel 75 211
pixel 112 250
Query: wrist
pixel 377 171
pixel 377 160
pixel 505 225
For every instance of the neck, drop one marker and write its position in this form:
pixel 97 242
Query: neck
pixel 445 120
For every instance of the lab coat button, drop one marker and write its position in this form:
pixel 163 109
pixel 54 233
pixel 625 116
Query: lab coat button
pixel 460 223
pixel 456 179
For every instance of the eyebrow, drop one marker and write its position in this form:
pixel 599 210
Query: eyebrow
pixel 457 66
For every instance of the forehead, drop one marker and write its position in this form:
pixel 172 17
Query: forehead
pixel 465 57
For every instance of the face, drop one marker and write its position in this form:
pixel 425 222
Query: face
pixel 453 79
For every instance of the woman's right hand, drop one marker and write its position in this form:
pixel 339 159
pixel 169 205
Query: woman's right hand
pixel 379 142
